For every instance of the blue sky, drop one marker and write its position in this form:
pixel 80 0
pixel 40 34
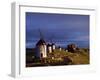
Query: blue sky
pixel 59 28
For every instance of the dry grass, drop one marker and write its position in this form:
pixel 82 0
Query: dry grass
pixel 80 57
pixel 61 58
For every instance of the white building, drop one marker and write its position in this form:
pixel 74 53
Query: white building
pixel 60 48
pixel 41 49
pixel 53 46
pixel 49 48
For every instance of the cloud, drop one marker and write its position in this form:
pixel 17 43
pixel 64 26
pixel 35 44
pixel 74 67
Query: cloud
pixel 59 27
pixel 82 38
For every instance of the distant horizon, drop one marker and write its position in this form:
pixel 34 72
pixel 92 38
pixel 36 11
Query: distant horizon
pixel 64 44
pixel 58 28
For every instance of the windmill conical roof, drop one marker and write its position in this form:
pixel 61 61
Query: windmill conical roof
pixel 41 42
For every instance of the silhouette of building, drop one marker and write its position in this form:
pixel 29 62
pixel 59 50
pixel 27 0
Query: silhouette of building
pixel 71 48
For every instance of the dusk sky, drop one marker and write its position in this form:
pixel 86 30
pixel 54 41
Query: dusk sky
pixel 58 28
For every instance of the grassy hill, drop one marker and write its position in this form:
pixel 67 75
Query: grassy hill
pixel 79 57
pixel 58 57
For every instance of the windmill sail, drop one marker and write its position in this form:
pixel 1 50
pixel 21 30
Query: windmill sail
pixel 40 33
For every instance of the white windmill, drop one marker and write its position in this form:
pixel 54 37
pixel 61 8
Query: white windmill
pixel 41 48
pixel 51 46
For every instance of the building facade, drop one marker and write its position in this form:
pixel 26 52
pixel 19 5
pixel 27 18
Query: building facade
pixel 41 49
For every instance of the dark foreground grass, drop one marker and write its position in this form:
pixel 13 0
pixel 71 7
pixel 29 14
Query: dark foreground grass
pixel 58 58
